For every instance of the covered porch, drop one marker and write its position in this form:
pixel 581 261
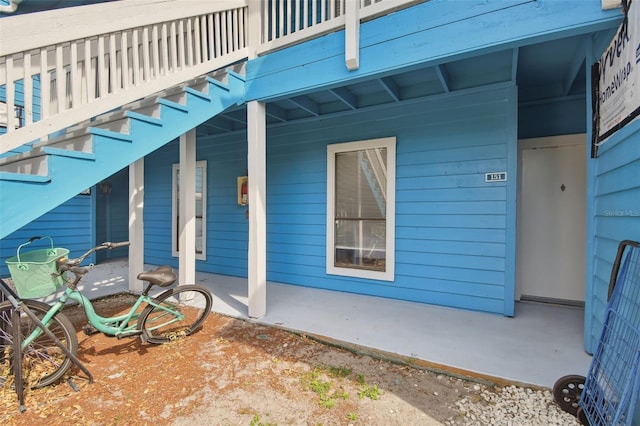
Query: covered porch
pixel 540 344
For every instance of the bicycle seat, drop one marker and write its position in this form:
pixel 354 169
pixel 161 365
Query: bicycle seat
pixel 162 276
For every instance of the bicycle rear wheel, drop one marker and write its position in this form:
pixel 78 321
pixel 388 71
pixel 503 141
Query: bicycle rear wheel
pixel 43 362
pixel 175 313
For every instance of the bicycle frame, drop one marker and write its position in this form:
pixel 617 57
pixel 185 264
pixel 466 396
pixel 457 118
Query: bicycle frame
pixel 124 325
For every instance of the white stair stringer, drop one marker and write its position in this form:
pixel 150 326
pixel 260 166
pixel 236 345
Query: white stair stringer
pixel 51 172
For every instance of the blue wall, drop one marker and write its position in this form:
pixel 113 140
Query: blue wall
pixel 70 225
pixel 112 213
pixel 562 117
pixel 454 232
pixel 227 225
pixel 616 216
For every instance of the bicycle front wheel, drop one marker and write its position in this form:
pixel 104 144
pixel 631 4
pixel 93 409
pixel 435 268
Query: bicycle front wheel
pixel 175 313
pixel 43 361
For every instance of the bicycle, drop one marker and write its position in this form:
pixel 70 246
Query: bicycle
pixel 171 315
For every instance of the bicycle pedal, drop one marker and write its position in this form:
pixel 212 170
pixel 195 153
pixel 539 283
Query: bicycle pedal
pixel 89 330
pixel 134 333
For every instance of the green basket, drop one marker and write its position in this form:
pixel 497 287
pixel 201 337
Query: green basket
pixel 32 271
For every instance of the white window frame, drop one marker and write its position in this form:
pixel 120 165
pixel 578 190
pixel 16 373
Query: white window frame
pixel 333 149
pixel 174 210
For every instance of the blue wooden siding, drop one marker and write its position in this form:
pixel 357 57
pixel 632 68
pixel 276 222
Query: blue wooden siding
pixel 70 225
pixel 451 227
pixel 616 217
pixel 112 214
pixel 454 232
pixel 563 117
pixel 227 225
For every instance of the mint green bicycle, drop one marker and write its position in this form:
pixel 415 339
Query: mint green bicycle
pixel 171 315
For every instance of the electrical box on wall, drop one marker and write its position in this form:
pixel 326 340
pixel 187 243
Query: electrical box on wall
pixel 243 190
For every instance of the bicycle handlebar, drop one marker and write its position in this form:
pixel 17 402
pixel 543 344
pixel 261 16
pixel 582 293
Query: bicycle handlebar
pixel 72 264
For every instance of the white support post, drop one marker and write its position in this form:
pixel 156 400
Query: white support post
pixel 256 161
pixel 352 35
pixel 136 224
pixel 254 28
pixel 610 4
pixel 187 209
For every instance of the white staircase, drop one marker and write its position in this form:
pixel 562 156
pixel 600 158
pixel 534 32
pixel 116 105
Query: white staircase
pixel 100 86
pixel 51 172
pixel 90 60
pixel 108 84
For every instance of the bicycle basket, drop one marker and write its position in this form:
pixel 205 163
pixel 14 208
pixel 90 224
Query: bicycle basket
pixel 32 271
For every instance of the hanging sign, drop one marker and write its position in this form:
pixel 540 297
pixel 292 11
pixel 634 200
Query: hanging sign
pixel 618 78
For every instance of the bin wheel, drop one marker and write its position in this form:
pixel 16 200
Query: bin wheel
pixel 567 391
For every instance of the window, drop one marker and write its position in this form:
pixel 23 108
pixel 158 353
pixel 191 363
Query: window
pixel 361 209
pixel 201 210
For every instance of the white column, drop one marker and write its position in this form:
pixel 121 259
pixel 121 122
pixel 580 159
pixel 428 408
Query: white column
pixel 136 224
pixel 187 209
pixel 352 35
pixel 255 27
pixel 256 161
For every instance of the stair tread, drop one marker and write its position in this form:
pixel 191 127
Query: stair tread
pixel 22 177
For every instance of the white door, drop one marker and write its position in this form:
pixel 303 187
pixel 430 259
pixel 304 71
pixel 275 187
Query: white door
pixel 552 219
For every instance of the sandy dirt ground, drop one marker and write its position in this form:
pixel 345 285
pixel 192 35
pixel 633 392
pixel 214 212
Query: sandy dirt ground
pixel 233 372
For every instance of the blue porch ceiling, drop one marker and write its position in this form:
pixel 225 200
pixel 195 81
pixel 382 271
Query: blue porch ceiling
pixel 546 72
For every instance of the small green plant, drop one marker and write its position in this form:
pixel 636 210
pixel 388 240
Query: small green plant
pixel 317 382
pixel 339 371
pixel 360 379
pixel 328 403
pixel 320 386
pixel 371 392
pixel 352 416
pixel 256 422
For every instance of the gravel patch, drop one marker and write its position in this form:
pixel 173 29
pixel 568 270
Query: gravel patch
pixel 511 406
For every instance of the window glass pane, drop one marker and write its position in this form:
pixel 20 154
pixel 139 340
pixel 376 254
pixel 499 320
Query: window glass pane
pixel 360 209
pixel 361 244
pixel 361 184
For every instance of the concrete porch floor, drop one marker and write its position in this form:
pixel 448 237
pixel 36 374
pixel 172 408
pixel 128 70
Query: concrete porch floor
pixel 539 345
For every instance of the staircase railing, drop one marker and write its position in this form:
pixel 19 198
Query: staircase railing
pixel 66 75
pixel 286 22
pixel 89 60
